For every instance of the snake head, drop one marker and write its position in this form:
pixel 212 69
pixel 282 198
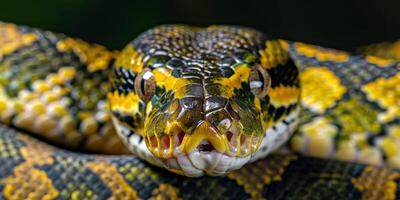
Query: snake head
pixel 203 130
pixel 197 97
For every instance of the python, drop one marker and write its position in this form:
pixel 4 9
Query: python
pixel 199 100
pixel 203 103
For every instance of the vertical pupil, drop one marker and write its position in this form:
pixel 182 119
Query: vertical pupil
pixel 142 86
pixel 261 78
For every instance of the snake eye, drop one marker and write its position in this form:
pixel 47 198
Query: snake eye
pixel 259 81
pixel 145 85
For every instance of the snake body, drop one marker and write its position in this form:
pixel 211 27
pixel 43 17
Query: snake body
pixel 194 101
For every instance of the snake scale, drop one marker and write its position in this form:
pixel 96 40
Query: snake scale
pixel 196 101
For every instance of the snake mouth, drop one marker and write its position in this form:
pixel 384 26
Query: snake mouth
pixel 205 146
pixel 203 150
pixel 197 163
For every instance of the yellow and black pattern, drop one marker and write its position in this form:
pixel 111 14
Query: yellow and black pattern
pixel 173 81
pixel 60 174
pixel 350 106
pixel 55 87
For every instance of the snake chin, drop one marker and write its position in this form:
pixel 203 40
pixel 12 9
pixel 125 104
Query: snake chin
pixel 198 163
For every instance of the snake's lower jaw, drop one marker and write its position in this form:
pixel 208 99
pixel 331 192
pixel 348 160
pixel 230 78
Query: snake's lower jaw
pixel 197 163
pixel 203 151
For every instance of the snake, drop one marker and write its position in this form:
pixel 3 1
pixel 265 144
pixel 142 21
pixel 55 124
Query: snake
pixel 184 112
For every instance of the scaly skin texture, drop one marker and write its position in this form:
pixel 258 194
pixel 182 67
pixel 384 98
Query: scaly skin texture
pixel 204 116
pixel 350 106
pixel 47 83
pixel 60 174
pixel 352 113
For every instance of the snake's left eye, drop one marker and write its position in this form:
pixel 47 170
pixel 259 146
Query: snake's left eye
pixel 145 85
pixel 259 81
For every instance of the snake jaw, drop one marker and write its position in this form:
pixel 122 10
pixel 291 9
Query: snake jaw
pixel 205 149
pixel 204 138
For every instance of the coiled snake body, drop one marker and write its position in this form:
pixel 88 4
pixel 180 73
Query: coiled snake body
pixel 195 101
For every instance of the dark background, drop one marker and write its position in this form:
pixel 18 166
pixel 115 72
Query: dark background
pixel 337 23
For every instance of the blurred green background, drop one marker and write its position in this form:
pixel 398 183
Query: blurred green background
pixel 339 24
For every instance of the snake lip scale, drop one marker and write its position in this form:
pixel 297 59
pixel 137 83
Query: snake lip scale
pixel 198 163
pixel 217 157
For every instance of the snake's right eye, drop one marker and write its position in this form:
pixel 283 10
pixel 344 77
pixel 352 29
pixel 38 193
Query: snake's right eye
pixel 145 85
pixel 259 81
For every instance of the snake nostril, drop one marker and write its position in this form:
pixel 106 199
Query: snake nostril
pixel 205 146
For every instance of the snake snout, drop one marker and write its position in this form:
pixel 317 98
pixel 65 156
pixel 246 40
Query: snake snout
pixel 214 145
pixel 205 138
